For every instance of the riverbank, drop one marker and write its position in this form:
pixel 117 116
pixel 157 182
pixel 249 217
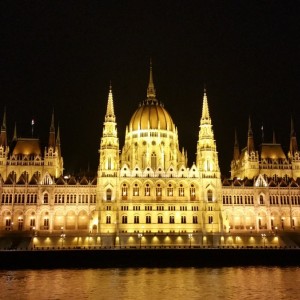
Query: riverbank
pixel 190 257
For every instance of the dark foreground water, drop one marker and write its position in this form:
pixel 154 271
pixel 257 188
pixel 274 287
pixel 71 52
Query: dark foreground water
pixel 146 283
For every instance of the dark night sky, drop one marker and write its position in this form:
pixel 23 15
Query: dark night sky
pixel 63 54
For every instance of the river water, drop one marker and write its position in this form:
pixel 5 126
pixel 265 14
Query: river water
pixel 152 283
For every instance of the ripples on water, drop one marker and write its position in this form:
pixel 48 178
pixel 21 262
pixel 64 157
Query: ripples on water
pixel 146 283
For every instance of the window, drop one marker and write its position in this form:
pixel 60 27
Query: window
pixel 195 220
pixel 136 220
pixel 124 219
pixel 147 190
pixel 136 190
pixel 160 219
pixel 209 196
pixel 20 223
pixel 148 219
pixel 108 219
pixel 124 190
pixel 8 222
pixel 45 198
pixel 192 191
pixel 158 191
pixel 108 194
pixel 261 200
pixel 32 222
pixel 172 219
pixel 46 223
pixel 181 191
pixel 210 219
pixel 170 190
pixel 183 219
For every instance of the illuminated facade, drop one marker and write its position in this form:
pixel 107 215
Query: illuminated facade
pixel 147 188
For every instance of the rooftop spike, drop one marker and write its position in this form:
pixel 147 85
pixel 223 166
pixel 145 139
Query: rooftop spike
pixel 110 114
pixel 151 90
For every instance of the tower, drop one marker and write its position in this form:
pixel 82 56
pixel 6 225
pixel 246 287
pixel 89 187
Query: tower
pixel 53 159
pixel 209 173
pixel 108 171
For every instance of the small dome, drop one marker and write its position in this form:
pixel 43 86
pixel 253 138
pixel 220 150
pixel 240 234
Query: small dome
pixel 27 147
pixel 151 115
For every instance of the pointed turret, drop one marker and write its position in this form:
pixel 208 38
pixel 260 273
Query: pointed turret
pixel 110 114
pixel 207 156
pixel 3 136
pixel 151 90
pixel 236 149
pixel 250 141
pixel 51 142
pixel 293 139
pixel 109 146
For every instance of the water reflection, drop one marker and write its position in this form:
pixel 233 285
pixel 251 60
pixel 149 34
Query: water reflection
pixel 144 283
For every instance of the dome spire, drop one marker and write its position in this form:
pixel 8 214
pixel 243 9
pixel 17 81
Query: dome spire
pixel 151 89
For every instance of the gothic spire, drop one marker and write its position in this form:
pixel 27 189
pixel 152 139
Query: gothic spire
pixel 3 136
pixel 110 114
pixel 236 149
pixel 57 143
pixel 52 128
pixel 274 137
pixel 51 142
pixel 151 90
pixel 293 139
pixel 3 127
pixel 205 118
pixel 15 137
pixel 250 141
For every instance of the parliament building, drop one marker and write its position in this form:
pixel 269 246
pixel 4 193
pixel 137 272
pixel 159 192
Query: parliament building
pixel 144 191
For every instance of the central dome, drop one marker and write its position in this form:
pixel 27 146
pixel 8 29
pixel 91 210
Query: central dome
pixel 151 115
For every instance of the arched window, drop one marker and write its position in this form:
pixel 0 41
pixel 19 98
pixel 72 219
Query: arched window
pixel 108 194
pixel 45 200
pixel 136 190
pixel 124 191
pixel 181 191
pixel 209 196
pixel 147 190
pixel 108 219
pixel 170 190
pixel 192 191
pixel 261 200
